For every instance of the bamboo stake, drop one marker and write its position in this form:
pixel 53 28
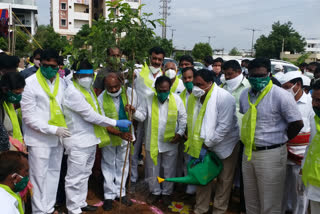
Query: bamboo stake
pixel 128 147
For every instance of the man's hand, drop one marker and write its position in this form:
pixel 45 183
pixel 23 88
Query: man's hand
pixel 126 136
pixel 130 108
pixel 63 132
pixel 176 139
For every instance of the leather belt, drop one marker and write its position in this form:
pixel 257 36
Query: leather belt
pixel 261 148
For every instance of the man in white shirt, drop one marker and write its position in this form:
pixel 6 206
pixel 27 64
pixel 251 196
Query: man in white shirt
pixel 218 132
pixel 265 153
pixel 278 70
pixel 87 126
pixel 170 70
pixel 43 127
pixel 144 85
pixel 166 123
pixel 14 171
pixel 115 103
pixel 235 84
pixel 310 163
pixel 295 201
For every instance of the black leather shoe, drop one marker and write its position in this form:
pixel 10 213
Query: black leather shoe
pixel 107 205
pixel 89 208
pixel 125 200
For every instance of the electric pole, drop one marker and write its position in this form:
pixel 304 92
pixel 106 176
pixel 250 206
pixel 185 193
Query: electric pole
pixel 253 30
pixel 209 39
pixel 165 13
pixel 172 30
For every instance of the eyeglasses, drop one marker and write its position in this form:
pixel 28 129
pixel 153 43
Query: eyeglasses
pixel 52 66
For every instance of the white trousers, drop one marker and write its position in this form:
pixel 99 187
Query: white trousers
pixel 80 163
pixel 136 152
pixel 167 161
pixel 292 200
pixel 315 207
pixel 111 165
pixel 263 179
pixel 44 173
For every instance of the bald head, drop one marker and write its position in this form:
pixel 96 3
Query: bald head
pixel 112 82
pixel 170 65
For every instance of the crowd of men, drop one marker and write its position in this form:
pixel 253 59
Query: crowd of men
pixel 264 127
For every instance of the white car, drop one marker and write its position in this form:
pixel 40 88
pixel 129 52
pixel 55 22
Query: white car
pixel 287 66
pixel 198 65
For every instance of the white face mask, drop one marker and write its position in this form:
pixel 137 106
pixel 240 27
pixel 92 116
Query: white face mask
pixel 223 79
pixel 171 73
pixel 36 63
pixel 291 91
pixel 116 94
pixel 85 82
pixel 234 83
pixel 154 70
pixel 198 92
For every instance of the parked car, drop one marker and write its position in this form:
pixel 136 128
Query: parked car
pixel 198 65
pixel 287 66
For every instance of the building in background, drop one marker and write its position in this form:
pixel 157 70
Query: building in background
pixel 68 16
pixel 25 14
pixel 313 45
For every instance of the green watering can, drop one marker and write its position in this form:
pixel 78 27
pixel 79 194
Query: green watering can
pixel 200 173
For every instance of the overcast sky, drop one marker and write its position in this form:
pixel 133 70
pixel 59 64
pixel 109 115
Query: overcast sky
pixel 226 20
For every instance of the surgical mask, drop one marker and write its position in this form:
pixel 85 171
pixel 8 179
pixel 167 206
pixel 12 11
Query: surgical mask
pixel 171 73
pixel 309 74
pixel 233 84
pixel 210 68
pixel 291 91
pixel 85 82
pixel 163 96
pixel 188 85
pixel 154 70
pixel 36 62
pixel 316 111
pixel 22 184
pixel 13 98
pixel 198 92
pixel 116 94
pixel 259 83
pixel 49 72
pixel 223 79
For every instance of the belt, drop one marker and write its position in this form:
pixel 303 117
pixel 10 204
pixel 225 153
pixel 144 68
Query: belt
pixel 261 148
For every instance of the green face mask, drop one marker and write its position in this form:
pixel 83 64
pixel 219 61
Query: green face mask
pixel 21 185
pixel 188 85
pixel 163 96
pixel 258 83
pixel 316 111
pixel 49 72
pixel 13 98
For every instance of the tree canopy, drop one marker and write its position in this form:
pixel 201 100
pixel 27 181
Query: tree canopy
pixel 201 50
pixel 235 52
pixel 282 34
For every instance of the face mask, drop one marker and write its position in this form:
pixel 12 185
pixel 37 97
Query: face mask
pixel 13 98
pixel 291 91
pixel 223 79
pixel 198 92
pixel 116 94
pixel 210 68
pixel 154 70
pixel 234 83
pixel 22 184
pixel 259 83
pixel 49 72
pixel 188 85
pixel 163 96
pixel 180 70
pixel 36 62
pixel 316 111
pixel 171 73
pixel 85 82
pixel 309 74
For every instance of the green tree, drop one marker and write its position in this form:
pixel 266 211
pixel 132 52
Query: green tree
pixel 3 44
pixel 282 34
pixel 165 44
pixel 235 52
pixel 178 55
pixel 47 38
pixel 201 50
